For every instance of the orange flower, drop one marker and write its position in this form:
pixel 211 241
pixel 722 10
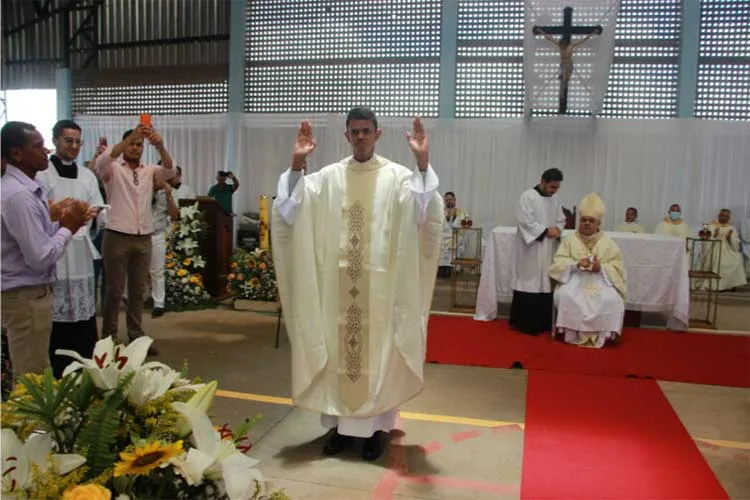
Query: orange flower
pixel 262 265
pixel 170 265
pixel 230 276
pixel 240 277
pixel 234 265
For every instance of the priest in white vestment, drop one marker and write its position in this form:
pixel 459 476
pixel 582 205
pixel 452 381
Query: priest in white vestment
pixel 540 221
pixel 732 265
pixel 452 220
pixel 673 225
pixel 74 314
pixel 591 276
pixel 356 247
pixel 631 222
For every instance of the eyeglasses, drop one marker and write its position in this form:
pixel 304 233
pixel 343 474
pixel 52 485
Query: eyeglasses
pixel 70 141
pixel 135 177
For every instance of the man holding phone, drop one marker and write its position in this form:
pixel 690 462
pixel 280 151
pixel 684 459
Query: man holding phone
pixel 127 239
pixel 74 313
pixel 222 192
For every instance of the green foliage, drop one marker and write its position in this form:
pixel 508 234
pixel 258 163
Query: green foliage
pixel 99 435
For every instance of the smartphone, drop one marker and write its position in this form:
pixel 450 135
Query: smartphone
pixel 103 141
pixel 99 208
pixel 146 120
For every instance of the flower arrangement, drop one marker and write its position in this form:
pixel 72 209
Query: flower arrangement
pixel 253 276
pixel 116 427
pixel 184 264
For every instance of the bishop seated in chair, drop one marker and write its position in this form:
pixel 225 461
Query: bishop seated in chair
pixel 590 274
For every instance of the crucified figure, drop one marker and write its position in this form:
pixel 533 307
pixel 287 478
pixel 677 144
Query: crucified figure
pixel 566 48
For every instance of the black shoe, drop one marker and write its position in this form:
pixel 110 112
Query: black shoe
pixel 157 312
pixel 374 446
pixel 153 351
pixel 335 443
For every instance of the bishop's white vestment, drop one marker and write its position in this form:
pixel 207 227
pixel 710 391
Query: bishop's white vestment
pixel 356 247
pixel 590 306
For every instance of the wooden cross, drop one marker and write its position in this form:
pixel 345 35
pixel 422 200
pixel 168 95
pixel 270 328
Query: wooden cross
pixel 566 47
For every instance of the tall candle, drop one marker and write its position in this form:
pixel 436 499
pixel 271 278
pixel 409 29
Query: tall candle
pixel 263 229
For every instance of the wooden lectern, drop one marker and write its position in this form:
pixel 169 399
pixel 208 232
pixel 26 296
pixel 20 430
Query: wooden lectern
pixel 216 246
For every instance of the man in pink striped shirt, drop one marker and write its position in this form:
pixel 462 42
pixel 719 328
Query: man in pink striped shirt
pixel 126 250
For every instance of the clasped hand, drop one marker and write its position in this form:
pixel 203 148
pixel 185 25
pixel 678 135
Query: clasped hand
pixel 586 264
pixel 71 213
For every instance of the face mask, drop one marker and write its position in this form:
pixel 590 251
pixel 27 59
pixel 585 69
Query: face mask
pixel 675 215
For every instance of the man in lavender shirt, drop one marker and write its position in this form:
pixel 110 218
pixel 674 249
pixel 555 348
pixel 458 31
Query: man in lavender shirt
pixel 31 245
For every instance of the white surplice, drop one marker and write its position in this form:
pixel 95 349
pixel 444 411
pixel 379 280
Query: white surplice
pixel 446 249
pixel 667 228
pixel 532 258
pixel 75 291
pixel 356 247
pixel 629 227
pixel 732 265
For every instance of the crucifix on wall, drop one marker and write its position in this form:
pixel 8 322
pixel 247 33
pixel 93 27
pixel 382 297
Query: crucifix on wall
pixel 566 47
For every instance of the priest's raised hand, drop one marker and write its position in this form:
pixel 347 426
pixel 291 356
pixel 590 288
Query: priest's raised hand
pixel 303 145
pixel 419 144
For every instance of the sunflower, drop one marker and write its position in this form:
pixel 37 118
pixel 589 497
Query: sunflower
pixel 146 458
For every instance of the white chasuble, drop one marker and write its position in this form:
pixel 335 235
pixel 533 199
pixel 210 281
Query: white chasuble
pixel 534 214
pixel 591 306
pixel 356 247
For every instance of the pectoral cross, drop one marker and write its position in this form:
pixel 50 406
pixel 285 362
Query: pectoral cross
pixel 566 48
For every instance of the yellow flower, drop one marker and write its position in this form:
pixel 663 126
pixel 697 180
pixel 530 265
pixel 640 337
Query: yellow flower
pixel 146 458
pixel 170 264
pixel 187 262
pixel 87 492
pixel 195 279
pixel 255 282
pixel 181 273
pixel 234 265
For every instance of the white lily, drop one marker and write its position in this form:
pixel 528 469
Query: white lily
pixel 17 458
pixel 187 245
pixel 189 212
pixel 215 459
pixel 200 402
pixel 150 383
pixel 110 362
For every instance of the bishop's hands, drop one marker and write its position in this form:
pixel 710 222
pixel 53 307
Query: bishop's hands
pixel 419 144
pixel 589 264
pixel 303 146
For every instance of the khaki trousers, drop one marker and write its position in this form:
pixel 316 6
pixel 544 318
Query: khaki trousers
pixel 127 258
pixel 27 316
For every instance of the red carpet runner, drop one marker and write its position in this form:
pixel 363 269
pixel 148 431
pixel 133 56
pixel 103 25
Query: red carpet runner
pixel 663 355
pixel 596 437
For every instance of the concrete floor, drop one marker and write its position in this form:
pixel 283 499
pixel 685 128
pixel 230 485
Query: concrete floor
pixel 474 454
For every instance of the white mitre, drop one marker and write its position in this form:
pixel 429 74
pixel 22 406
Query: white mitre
pixel 592 206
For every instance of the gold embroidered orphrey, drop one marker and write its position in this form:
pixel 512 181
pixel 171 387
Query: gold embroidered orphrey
pixel 353 324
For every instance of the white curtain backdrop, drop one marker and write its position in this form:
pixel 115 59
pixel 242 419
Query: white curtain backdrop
pixel 649 164
pixel 197 143
pixel 591 60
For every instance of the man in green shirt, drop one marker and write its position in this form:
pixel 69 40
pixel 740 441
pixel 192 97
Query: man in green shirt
pixel 222 192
